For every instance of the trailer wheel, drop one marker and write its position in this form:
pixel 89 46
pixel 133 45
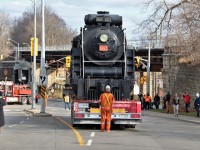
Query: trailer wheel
pixel 29 100
pixel 24 100
pixel 72 119
pixel 132 126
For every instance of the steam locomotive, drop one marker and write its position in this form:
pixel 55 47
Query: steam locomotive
pixel 15 81
pixel 100 57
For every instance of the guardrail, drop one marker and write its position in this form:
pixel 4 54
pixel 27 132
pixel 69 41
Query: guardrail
pixel 48 48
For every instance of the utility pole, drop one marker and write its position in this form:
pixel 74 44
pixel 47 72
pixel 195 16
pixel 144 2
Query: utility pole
pixel 34 60
pixel 43 74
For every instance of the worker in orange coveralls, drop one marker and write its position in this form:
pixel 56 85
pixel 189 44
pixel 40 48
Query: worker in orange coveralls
pixel 106 101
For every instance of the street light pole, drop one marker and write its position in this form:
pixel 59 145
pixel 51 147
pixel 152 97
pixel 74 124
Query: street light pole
pixel 34 61
pixel 17 52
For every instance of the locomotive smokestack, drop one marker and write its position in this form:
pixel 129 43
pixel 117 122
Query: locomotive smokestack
pixel 103 12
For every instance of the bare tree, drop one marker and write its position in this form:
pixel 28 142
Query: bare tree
pixel 57 32
pixel 5 25
pixel 176 24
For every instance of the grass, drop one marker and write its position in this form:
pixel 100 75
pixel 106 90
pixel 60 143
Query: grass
pixel 191 113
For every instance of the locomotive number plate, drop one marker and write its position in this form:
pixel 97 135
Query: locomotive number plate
pixel 103 48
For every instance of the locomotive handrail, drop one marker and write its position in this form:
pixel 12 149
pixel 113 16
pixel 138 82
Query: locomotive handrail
pixel 49 48
pixel 83 53
pixel 106 61
pixel 125 69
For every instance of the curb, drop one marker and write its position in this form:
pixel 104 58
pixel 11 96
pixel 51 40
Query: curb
pixel 160 115
pixel 36 113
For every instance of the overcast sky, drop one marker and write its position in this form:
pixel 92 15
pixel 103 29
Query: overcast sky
pixel 73 11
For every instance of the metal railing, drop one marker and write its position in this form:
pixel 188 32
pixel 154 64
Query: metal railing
pixel 49 48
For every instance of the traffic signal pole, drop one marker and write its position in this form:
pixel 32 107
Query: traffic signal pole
pixel 34 61
pixel 139 60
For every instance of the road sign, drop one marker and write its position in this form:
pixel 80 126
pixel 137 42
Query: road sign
pixel 43 77
pixel 42 91
pixel 43 80
pixel 68 74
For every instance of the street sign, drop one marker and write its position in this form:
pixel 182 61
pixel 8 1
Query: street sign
pixel 68 74
pixel 43 77
pixel 43 80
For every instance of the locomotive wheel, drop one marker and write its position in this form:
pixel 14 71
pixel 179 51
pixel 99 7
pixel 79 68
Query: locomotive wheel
pixel 24 100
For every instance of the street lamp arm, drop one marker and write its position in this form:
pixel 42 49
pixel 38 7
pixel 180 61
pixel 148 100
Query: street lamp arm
pixel 26 44
pixel 13 41
pixel 17 53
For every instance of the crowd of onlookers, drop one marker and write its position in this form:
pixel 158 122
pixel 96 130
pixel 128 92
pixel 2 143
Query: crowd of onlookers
pixel 170 100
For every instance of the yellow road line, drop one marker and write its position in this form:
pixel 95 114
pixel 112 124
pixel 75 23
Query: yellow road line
pixel 78 135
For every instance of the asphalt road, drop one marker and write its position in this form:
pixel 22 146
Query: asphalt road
pixel 24 132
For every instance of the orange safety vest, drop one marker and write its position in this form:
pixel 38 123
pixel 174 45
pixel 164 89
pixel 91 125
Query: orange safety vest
pixel 106 100
pixel 147 99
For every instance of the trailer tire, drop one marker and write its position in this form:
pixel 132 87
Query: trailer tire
pixel 132 126
pixel 29 101
pixel 24 100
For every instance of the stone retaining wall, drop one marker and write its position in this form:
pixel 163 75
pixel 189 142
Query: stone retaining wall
pixel 180 78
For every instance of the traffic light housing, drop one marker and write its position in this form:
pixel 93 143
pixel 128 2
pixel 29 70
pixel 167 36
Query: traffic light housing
pixel 68 61
pixel 32 46
pixel 137 63
pixel 142 80
pixel 145 78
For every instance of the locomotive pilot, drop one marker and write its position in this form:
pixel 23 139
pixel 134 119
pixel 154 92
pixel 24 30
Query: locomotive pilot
pixel 106 101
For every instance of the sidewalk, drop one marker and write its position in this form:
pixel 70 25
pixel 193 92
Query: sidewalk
pixel 171 116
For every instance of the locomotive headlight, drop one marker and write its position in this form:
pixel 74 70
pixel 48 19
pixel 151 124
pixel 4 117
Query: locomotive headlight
pixel 104 38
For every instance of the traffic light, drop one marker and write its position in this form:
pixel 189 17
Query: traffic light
pixel 137 63
pixel 1 58
pixel 142 80
pixel 145 78
pixel 68 61
pixel 32 46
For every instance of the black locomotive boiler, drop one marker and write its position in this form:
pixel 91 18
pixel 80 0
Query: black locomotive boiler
pixel 100 57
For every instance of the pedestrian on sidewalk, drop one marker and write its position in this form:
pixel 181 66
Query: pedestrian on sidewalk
pixel 140 96
pixel 197 104
pixel 167 101
pixel 175 102
pixel 67 102
pixel 147 99
pixel 2 103
pixel 157 101
pixel 186 98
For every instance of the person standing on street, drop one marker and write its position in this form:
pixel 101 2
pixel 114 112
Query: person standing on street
pixel 167 101
pixel 176 102
pixel 106 101
pixel 2 103
pixel 157 101
pixel 66 100
pixel 197 104
pixel 186 98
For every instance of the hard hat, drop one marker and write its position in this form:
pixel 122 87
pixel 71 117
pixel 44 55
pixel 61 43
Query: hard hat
pixel 107 87
pixel 197 95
